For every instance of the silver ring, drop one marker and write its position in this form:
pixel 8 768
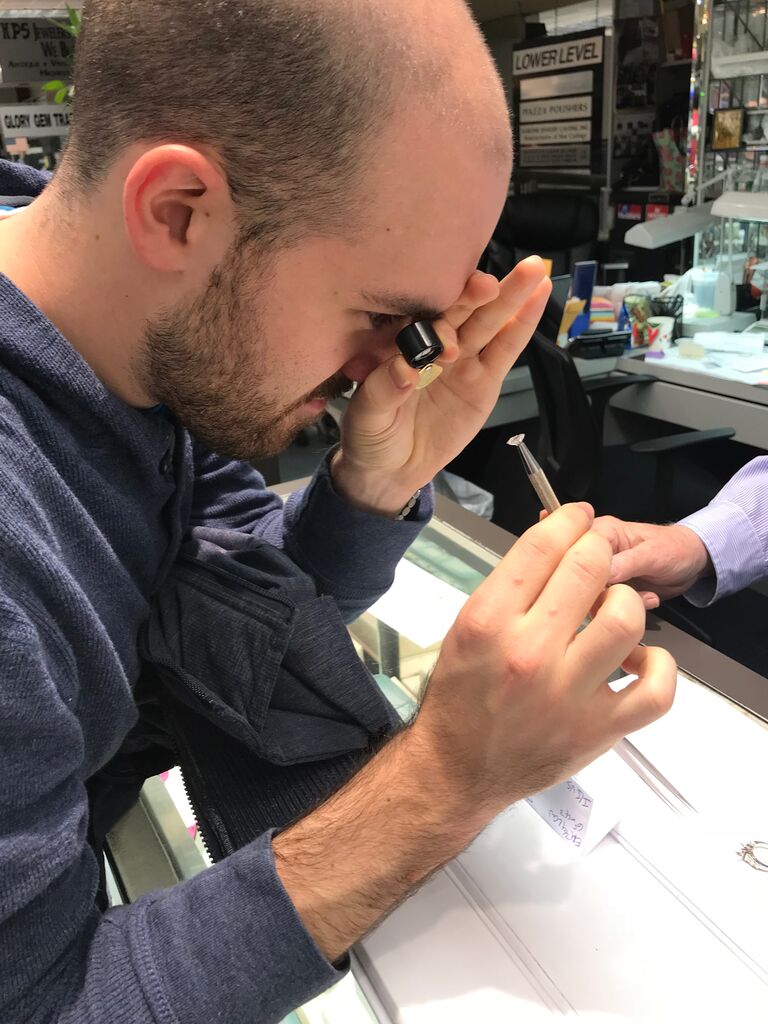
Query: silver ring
pixel 755 854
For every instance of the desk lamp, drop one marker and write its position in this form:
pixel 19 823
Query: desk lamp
pixel 746 206
pixel 712 286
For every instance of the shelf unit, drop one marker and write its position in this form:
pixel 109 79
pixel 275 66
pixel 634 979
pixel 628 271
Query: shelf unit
pixel 729 72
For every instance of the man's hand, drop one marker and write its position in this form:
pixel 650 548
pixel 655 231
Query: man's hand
pixel 517 702
pixel 518 699
pixel 659 561
pixel 395 438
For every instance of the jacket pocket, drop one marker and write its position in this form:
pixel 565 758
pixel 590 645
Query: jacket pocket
pixel 246 642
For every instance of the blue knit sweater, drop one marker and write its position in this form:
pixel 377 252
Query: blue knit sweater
pixel 95 501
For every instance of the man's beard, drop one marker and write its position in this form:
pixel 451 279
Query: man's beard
pixel 195 362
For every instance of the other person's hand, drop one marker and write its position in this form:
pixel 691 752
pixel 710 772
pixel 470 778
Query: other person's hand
pixel 394 437
pixel 518 699
pixel 659 561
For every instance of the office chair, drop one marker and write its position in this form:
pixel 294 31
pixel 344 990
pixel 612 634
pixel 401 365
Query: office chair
pixel 559 226
pixel 631 481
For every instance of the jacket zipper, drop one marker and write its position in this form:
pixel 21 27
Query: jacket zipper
pixel 209 834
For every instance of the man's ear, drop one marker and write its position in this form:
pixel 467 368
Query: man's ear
pixel 177 209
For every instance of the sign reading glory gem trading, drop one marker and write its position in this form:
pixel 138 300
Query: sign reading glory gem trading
pixel 34 121
pixel 559 102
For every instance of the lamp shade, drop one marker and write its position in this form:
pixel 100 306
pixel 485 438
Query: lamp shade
pixel 742 205
pixel 683 223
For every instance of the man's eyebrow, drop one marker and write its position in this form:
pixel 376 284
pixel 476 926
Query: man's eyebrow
pixel 401 305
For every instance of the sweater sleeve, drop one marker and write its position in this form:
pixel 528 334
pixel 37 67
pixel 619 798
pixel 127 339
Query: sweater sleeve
pixel 349 553
pixel 734 530
pixel 225 945
pixel 20 180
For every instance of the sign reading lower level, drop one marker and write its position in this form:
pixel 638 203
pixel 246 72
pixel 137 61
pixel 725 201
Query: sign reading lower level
pixel 559 55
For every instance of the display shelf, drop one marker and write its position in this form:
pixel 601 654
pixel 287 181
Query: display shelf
pixel 739 65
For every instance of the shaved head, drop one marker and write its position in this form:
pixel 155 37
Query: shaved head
pixel 292 97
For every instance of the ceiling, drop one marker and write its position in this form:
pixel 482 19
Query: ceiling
pixel 485 10
pixel 37 5
pixel 490 10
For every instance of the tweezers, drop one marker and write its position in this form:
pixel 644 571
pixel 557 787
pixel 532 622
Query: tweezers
pixel 626 750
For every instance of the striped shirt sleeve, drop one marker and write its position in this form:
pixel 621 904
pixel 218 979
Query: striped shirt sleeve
pixel 734 529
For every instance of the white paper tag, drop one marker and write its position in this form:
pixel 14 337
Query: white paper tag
pixel 566 808
pixel 585 808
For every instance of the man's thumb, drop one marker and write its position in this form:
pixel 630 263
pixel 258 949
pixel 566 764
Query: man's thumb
pixel 387 387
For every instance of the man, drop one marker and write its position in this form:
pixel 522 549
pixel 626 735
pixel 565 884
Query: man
pixel 255 199
pixel 715 552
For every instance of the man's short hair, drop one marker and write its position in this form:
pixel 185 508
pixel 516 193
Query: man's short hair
pixel 290 94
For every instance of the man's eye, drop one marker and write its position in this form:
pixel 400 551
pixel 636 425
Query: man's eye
pixel 379 320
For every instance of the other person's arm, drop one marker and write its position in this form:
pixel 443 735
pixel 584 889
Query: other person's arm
pixel 714 552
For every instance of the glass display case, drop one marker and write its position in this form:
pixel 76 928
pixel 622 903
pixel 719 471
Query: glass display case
pixel 523 925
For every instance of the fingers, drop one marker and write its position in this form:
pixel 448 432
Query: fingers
pixel 487 313
pixel 501 353
pixel 581 504
pixel 635 547
pixel 613 529
pixel 617 627
pixel 633 563
pixel 650 600
pixel 651 695
pixel 520 577
pixel 383 392
pixel 577 583
pixel 480 289
pixel 515 302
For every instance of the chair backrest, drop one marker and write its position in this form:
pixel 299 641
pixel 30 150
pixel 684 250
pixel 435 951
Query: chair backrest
pixel 552 317
pixel 569 445
pixel 561 226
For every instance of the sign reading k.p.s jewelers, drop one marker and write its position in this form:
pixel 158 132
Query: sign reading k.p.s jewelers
pixel 34 50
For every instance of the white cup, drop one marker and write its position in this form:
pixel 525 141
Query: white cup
pixel 660 331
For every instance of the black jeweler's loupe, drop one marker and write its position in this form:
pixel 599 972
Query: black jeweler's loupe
pixel 419 344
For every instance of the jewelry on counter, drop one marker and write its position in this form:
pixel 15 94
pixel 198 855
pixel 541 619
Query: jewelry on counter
pixel 757 860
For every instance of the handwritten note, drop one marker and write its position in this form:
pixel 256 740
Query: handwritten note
pixel 566 808
pixel 584 809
